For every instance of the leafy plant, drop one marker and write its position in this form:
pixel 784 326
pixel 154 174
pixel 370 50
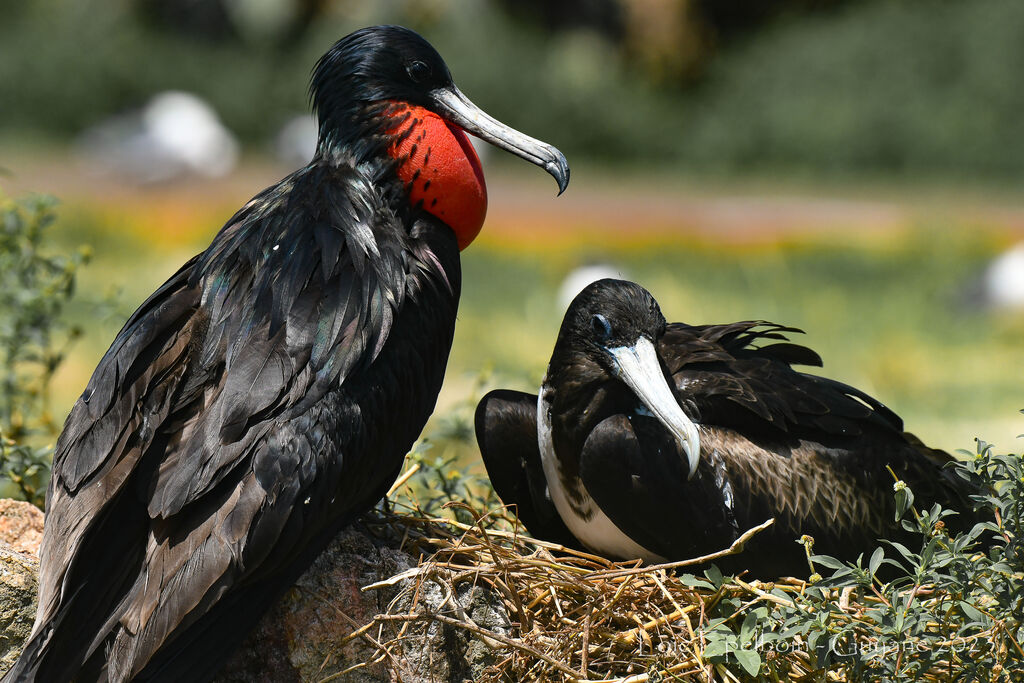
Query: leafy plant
pixel 954 611
pixel 434 481
pixel 884 86
pixel 35 288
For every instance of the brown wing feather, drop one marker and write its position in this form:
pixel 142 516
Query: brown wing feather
pixel 740 375
pixel 807 448
pixel 107 431
pixel 506 431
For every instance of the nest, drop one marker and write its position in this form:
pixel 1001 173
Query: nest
pixel 577 617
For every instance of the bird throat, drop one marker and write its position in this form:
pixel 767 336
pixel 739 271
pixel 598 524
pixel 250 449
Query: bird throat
pixel 440 169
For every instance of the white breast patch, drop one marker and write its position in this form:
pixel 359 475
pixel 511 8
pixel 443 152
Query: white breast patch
pixel 596 531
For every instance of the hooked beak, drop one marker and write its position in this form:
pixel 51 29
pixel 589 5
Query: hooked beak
pixel 638 366
pixel 451 104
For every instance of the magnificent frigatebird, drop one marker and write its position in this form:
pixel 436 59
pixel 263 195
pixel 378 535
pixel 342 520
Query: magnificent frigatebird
pixel 667 441
pixel 266 394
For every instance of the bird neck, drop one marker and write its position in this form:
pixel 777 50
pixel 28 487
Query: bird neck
pixel 430 159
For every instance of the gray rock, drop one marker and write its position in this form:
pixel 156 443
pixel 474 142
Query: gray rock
pixel 307 636
pixel 21 526
pixel 18 588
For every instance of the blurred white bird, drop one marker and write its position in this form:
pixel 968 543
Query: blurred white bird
pixel 176 134
pixel 1003 281
pixel 577 279
pixel 295 143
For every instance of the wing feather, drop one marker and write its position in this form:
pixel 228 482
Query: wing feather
pixel 741 375
pixel 202 428
pixel 506 430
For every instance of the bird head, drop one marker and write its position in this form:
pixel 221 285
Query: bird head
pixel 611 331
pixel 385 93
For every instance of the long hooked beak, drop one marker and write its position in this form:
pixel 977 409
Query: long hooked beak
pixel 451 104
pixel 638 366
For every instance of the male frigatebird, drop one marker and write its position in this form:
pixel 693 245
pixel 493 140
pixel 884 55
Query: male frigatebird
pixel 266 394
pixel 667 441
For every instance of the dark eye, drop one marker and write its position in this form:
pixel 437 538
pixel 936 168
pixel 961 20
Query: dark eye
pixel 418 70
pixel 601 327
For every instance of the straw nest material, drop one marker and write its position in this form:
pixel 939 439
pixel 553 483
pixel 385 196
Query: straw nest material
pixel 579 617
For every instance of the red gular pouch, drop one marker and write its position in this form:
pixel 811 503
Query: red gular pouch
pixel 440 169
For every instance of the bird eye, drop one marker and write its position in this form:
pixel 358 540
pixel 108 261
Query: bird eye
pixel 418 70
pixel 601 327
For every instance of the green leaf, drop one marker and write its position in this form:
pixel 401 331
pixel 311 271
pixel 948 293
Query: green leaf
pixel 749 660
pixel 972 612
pixel 718 648
pixel 903 502
pixel 905 552
pixel 693 582
pixel 748 628
pixel 876 561
pixel 714 575
pixel 828 561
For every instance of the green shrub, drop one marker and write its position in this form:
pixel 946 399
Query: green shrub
pixel 573 90
pixel 896 86
pixel 922 87
pixel 35 287
pixel 954 612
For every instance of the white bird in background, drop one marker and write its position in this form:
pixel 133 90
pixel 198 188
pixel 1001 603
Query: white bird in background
pixel 295 142
pixel 1003 281
pixel 580 277
pixel 175 135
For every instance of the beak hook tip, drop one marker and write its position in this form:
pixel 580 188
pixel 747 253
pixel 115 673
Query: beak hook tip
pixel 559 169
pixel 692 461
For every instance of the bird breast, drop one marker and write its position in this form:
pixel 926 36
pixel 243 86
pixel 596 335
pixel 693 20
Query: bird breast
pixel 577 508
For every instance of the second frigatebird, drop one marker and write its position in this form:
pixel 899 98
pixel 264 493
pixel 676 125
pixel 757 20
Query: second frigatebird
pixel 266 394
pixel 667 441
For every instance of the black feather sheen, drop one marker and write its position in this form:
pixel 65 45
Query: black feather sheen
pixel 254 380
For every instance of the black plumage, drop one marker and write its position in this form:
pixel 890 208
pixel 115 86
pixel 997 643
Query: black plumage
pixel 766 441
pixel 261 398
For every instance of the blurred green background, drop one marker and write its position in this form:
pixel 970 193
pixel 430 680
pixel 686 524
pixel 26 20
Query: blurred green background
pixel 849 167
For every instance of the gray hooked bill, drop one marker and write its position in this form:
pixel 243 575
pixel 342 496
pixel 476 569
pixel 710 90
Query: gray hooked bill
pixel 638 366
pixel 458 109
